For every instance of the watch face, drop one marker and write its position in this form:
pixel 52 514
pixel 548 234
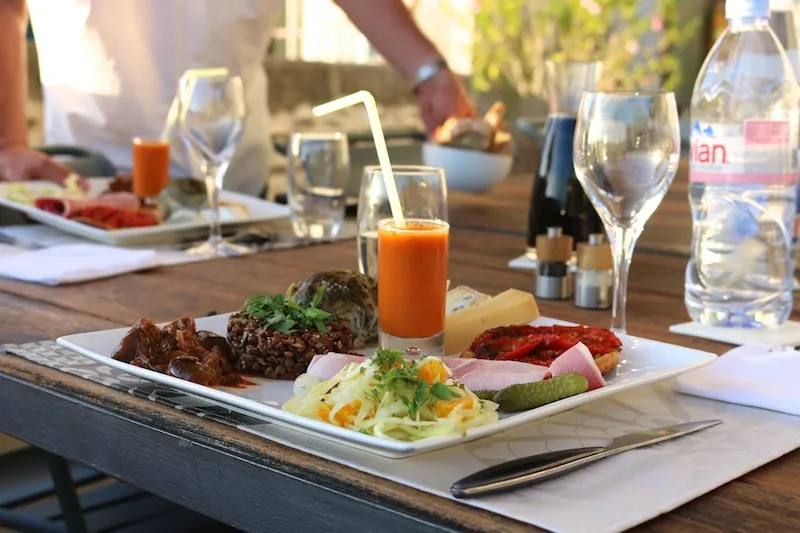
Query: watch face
pixel 428 71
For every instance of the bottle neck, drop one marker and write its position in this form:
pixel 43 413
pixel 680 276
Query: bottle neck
pixel 748 22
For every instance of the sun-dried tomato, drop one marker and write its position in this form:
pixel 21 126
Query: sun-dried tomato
pixel 541 344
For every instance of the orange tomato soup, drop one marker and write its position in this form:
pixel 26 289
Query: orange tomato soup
pixel 412 277
pixel 150 167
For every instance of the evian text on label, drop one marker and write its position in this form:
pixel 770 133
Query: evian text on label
pixel 761 151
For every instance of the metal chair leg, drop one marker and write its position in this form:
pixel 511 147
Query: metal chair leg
pixel 67 495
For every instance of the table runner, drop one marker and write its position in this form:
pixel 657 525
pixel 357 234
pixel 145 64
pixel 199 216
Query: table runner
pixel 31 236
pixel 609 496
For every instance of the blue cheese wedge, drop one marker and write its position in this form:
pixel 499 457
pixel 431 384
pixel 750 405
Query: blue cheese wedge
pixel 463 297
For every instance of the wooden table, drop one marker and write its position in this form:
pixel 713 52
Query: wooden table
pixel 255 484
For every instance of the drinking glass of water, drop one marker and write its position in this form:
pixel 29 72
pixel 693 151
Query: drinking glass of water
pixel 317 171
pixel 627 148
pixel 423 195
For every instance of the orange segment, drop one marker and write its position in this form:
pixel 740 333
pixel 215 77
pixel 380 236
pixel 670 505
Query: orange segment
pixel 445 407
pixel 433 372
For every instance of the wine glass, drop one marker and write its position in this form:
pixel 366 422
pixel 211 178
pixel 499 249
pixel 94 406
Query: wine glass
pixel 627 148
pixel 211 120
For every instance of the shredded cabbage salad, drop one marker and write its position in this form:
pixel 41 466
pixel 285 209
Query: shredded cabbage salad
pixel 23 193
pixel 390 397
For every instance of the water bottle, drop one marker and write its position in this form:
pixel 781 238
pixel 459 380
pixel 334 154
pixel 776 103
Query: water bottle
pixel 782 23
pixel 743 176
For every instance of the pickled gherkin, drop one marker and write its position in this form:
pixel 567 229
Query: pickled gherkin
pixel 485 394
pixel 524 396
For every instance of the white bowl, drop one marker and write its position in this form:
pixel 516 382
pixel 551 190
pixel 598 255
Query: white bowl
pixel 467 170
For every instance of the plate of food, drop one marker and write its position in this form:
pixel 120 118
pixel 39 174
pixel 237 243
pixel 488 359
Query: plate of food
pixel 475 153
pixel 306 360
pixel 110 213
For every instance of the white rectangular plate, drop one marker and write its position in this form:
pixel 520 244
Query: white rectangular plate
pixel 642 362
pixel 259 211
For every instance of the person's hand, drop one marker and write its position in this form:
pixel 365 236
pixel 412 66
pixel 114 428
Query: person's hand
pixel 20 163
pixel 442 97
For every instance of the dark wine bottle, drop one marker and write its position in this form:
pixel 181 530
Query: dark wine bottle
pixel 557 198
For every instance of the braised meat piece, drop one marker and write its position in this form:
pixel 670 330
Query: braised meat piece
pixel 210 340
pixel 145 340
pixel 179 350
pixel 205 371
pixel 182 324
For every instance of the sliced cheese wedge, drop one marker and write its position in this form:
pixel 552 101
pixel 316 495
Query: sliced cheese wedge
pixel 508 308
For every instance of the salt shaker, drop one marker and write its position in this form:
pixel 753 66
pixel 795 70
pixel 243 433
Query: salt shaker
pixel 553 279
pixel 594 278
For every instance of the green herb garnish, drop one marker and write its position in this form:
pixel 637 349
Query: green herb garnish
pixel 287 316
pixel 403 378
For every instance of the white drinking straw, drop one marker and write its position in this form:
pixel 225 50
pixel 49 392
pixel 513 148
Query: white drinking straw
pixel 366 98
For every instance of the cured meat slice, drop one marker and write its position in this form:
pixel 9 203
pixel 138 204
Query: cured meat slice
pixel 578 359
pixel 69 207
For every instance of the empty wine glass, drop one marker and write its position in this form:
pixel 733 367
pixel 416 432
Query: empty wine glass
pixel 627 148
pixel 211 120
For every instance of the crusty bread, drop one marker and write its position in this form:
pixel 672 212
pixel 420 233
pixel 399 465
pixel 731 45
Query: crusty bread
pixel 607 362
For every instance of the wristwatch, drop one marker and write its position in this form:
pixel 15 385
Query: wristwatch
pixel 427 71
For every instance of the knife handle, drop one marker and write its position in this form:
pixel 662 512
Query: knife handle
pixel 522 471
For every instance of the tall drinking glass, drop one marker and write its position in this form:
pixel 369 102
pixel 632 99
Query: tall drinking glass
pixel 412 284
pixel 627 148
pixel 423 194
pixel 317 171
pixel 211 120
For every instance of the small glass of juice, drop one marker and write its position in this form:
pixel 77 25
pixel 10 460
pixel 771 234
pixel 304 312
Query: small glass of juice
pixel 412 284
pixel 150 168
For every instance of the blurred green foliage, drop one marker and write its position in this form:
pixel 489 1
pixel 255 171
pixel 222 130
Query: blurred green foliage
pixel 638 46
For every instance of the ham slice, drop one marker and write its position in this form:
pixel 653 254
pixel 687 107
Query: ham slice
pixel 578 359
pixel 324 367
pixel 69 207
pixel 475 374
pixel 484 374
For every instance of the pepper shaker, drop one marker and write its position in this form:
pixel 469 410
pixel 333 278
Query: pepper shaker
pixel 594 278
pixel 553 279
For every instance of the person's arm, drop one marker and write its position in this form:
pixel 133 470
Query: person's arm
pixel 391 29
pixel 17 160
pixel 13 73
pixel 389 26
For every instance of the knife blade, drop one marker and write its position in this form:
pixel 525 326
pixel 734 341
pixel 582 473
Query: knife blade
pixel 527 470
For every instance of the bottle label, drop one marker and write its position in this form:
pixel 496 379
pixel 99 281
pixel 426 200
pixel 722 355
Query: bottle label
pixel 762 152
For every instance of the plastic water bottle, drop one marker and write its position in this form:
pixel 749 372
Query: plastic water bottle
pixel 782 23
pixel 743 176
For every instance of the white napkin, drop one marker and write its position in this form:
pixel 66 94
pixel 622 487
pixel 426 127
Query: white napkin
pixel 73 263
pixel 755 375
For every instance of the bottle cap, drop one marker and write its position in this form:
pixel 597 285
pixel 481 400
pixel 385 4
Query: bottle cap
pixel 746 9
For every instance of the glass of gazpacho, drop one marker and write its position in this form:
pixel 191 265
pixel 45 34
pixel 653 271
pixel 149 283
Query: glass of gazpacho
pixel 150 167
pixel 412 284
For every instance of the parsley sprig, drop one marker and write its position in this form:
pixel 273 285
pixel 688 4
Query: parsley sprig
pixel 287 316
pixel 403 378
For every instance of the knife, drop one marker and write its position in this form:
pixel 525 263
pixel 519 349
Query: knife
pixel 527 470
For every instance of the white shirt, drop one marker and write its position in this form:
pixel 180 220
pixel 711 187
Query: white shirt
pixel 110 69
